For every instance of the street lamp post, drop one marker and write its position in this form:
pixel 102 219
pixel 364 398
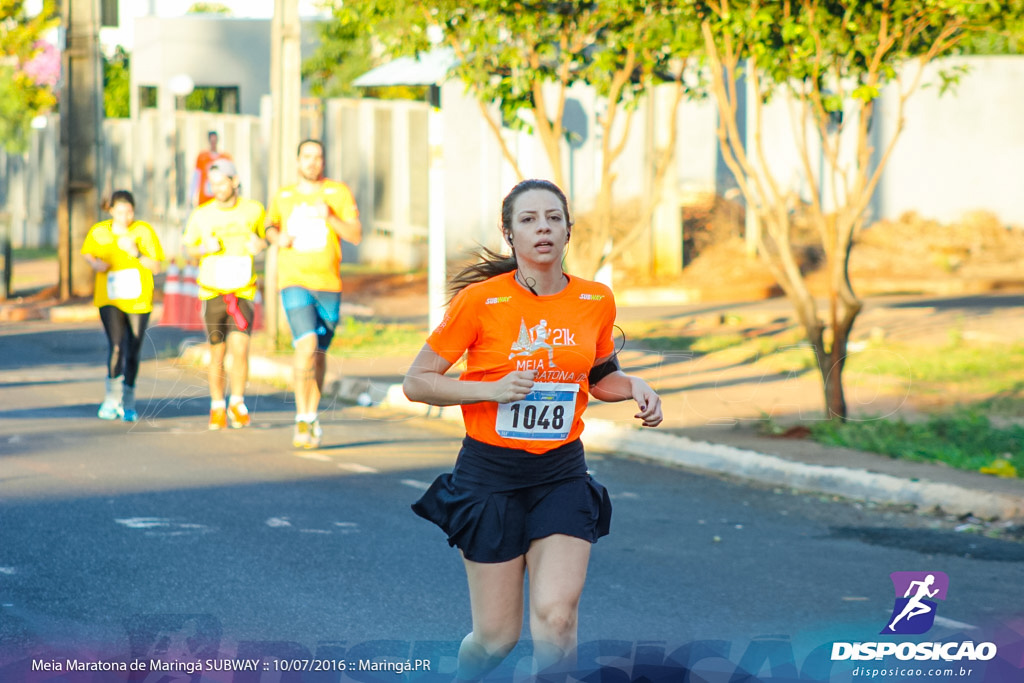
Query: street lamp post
pixel 179 86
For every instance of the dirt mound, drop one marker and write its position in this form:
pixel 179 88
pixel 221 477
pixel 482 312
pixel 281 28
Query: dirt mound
pixel 910 250
pixel 979 245
pixel 362 286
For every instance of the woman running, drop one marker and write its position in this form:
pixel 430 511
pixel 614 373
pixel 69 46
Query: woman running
pixel 125 253
pixel 519 499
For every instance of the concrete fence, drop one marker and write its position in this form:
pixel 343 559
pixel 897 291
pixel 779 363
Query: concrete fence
pixel 378 148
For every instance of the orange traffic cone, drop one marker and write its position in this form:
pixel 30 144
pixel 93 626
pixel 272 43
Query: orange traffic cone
pixel 192 307
pixel 172 297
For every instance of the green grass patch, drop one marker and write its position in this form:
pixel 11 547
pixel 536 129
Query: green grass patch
pixel 33 253
pixel 948 363
pixel 370 337
pixel 964 439
pixel 347 268
pixel 712 343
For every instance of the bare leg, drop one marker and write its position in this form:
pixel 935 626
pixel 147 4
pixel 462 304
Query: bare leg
pixel 558 570
pixel 316 387
pixel 496 599
pixel 215 373
pixel 238 344
pixel 304 368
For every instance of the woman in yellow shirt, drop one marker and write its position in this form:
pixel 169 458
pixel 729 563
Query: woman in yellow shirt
pixel 125 253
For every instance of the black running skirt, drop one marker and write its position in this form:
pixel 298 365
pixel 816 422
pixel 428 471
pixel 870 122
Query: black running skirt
pixel 498 500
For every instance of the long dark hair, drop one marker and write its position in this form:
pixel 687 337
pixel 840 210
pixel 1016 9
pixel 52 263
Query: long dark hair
pixel 489 262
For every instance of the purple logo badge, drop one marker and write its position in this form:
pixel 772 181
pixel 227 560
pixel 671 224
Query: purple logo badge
pixel 914 610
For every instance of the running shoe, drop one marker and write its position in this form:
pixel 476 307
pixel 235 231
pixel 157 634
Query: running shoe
pixel 300 439
pixel 315 434
pixel 130 415
pixel 238 416
pixel 218 418
pixel 109 410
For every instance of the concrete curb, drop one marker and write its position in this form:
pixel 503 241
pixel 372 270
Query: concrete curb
pixel 606 436
pixel 770 469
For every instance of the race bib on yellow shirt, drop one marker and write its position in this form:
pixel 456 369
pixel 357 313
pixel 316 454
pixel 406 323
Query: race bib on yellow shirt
pixel 546 413
pixel 308 228
pixel 225 273
pixel 124 284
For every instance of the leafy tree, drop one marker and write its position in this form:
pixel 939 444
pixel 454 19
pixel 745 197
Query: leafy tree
pixel 209 8
pixel 117 84
pixel 1005 34
pixel 831 59
pixel 23 94
pixel 344 53
pixel 520 59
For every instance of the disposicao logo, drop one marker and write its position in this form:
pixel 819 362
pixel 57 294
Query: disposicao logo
pixel 916 592
pixel 913 613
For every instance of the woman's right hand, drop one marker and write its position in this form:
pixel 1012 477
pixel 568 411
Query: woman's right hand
pixel 211 245
pixel 514 386
pixel 98 264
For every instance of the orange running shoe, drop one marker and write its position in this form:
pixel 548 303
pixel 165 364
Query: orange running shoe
pixel 218 418
pixel 238 416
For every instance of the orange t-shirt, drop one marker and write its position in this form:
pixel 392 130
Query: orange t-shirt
pixel 503 328
pixel 314 258
pixel 203 163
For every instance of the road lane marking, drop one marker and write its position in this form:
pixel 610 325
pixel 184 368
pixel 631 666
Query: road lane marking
pixel 356 467
pixel 421 485
pixel 314 456
pixel 160 526
pixel 143 522
pixel 952 623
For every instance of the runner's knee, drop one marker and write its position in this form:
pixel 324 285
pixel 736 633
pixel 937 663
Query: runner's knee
pixel 558 618
pixel 496 641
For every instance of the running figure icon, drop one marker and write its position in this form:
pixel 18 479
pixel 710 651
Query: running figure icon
pixel 532 340
pixel 915 606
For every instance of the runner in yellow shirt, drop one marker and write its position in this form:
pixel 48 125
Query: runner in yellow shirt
pixel 225 234
pixel 307 222
pixel 125 253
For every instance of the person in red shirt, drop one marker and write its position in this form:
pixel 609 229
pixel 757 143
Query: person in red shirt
pixel 537 341
pixel 200 191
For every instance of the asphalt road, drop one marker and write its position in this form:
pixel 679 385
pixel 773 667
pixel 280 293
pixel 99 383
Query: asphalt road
pixel 162 542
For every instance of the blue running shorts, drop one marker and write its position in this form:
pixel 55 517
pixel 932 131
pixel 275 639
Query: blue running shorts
pixel 311 312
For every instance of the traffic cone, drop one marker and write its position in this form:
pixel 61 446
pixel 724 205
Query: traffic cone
pixel 172 297
pixel 192 307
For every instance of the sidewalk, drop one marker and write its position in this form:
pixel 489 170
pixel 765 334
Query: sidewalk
pixel 712 413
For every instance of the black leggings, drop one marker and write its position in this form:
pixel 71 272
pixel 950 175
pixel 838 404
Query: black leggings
pixel 124 341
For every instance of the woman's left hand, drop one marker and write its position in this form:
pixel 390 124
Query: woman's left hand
pixel 648 401
pixel 128 246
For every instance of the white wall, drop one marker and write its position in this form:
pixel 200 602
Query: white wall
pixel 961 151
pixel 213 50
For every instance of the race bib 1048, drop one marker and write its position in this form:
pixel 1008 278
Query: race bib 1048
pixel 545 414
